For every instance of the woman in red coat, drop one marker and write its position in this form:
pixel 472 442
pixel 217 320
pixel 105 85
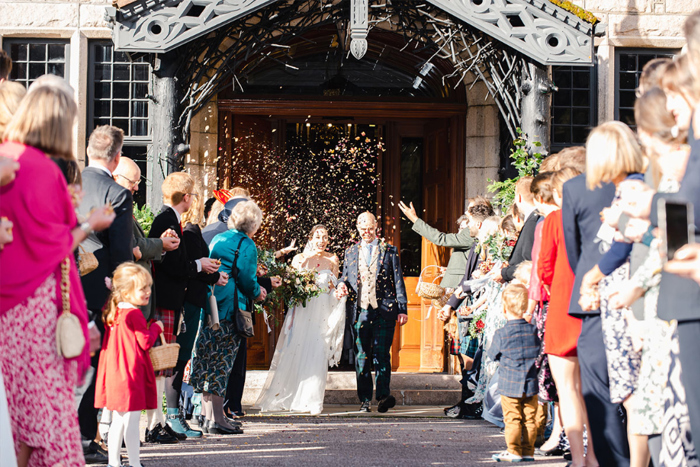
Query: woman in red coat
pixel 126 383
pixel 561 329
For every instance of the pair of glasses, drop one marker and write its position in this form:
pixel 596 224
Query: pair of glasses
pixel 193 194
pixel 132 183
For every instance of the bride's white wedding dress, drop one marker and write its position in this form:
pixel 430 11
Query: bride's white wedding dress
pixel 311 339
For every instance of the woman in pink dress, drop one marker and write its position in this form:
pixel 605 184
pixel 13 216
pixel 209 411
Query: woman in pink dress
pixel 39 382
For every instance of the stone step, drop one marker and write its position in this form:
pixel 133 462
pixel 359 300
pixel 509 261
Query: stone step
pixel 408 388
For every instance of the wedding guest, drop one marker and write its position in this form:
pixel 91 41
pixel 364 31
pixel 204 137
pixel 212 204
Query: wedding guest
pixel 208 204
pixel 128 175
pixel 125 380
pixel 561 329
pixel 5 66
pixel 111 247
pixel 215 350
pixel 236 195
pixel 38 380
pixel 581 222
pixel 515 346
pixel 523 247
pixel 171 276
pixel 195 302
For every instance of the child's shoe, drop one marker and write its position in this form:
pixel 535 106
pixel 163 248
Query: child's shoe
pixel 528 459
pixel 180 426
pixel 505 456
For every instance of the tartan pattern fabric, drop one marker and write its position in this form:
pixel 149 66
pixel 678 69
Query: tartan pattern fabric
pixel 374 336
pixel 168 319
pixel 213 357
pixel 469 346
pixel 516 347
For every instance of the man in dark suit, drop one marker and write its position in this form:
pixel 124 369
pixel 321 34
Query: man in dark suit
pixel 128 175
pixel 111 247
pixel 581 219
pixel 522 251
pixel 373 282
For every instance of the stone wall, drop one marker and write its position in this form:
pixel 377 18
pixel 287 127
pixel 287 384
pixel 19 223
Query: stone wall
pixel 201 160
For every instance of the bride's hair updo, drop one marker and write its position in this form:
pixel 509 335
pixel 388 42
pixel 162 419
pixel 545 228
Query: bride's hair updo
pixel 315 228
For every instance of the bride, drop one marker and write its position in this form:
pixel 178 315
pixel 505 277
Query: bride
pixel 311 338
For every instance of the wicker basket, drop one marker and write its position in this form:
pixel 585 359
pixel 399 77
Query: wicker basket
pixel 442 301
pixel 429 290
pixel 87 262
pixel 164 356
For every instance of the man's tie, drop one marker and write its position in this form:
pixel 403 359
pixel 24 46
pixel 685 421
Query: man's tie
pixel 368 255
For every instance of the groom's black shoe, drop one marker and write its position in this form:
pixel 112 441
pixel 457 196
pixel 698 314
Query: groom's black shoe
pixel 386 404
pixel 365 407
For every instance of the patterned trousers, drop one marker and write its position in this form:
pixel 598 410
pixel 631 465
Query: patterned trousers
pixel 213 357
pixel 373 338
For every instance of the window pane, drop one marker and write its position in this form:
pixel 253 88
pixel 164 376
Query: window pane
pixel 579 134
pixel 560 134
pixel 562 78
pixel 582 80
pixel 628 62
pixel 19 71
pixel 627 99
pixel 57 52
pixel 36 70
pixel 562 115
pixel 122 123
pixel 627 116
pixel 628 80
pixel 103 53
pixel 57 69
pixel 121 90
pixel 18 52
pixel 582 116
pixel 644 59
pixel 562 97
pixel 139 127
pixel 139 109
pixel 581 98
pixel 120 108
pixel 121 72
pixel 103 72
pixel 140 72
pixel 37 52
pixel 411 183
pixel 103 90
pixel 121 57
pixel 101 122
pixel 102 108
pixel 139 91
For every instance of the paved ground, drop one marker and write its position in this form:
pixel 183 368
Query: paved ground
pixel 410 436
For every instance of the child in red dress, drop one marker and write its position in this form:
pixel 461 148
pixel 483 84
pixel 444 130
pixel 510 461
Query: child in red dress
pixel 126 382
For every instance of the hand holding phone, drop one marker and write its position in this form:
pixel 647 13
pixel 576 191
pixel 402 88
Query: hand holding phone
pixel 677 226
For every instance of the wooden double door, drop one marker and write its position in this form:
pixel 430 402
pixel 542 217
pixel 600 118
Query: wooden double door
pixel 423 163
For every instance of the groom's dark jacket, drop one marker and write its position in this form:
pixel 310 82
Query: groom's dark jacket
pixel 391 291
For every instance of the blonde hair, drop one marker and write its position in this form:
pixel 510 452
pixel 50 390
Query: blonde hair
pixel 574 157
pixel 550 163
pixel 176 186
pixel 195 214
pixel 214 212
pixel 523 273
pixel 612 151
pixel 515 299
pixel 651 116
pixel 105 143
pixel 127 279
pixel 246 217
pixel 562 176
pixel 522 188
pixel 691 28
pixel 239 191
pixel 11 94
pixel 652 73
pixel 45 118
pixel 679 77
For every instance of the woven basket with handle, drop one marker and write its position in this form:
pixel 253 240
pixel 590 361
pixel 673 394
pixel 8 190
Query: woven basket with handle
pixel 87 262
pixel 429 290
pixel 164 356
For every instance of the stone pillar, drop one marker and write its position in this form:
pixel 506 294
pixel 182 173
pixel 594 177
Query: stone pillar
pixel 167 136
pixel 482 145
pixel 202 158
pixel 536 107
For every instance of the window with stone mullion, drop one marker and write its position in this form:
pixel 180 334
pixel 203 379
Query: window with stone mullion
pixel 32 58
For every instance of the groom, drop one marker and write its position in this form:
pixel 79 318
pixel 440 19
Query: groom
pixel 373 282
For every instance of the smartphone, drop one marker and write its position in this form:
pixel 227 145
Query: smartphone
pixel 677 226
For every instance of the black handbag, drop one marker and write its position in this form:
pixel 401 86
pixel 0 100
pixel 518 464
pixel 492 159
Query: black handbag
pixel 243 319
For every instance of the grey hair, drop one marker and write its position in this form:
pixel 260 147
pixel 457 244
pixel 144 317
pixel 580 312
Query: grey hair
pixel 246 217
pixel 105 143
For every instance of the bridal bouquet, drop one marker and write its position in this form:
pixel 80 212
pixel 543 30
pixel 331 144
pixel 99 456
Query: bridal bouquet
pixel 297 288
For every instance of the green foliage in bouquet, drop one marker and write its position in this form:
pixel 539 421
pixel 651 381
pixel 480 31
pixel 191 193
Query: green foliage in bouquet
pixel 476 326
pixel 144 216
pixel 525 164
pixel 297 288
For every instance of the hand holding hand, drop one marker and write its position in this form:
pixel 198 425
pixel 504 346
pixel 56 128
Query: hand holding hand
pixel 465 311
pixel 686 262
pixel 445 313
pixel 170 243
pixel 402 319
pixel 341 291
pixel 5 231
pixel 223 279
pixel 495 274
pixel 137 253
pixel 209 265
pixel 409 212
pixel 101 218
pixel 8 170
pixel 276 281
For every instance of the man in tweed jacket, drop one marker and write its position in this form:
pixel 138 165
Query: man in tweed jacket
pixel 373 281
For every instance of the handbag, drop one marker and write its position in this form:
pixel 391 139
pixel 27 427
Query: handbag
pixel 242 318
pixel 213 311
pixel 70 340
pixel 87 261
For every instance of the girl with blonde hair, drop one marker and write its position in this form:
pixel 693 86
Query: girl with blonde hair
pixel 126 383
